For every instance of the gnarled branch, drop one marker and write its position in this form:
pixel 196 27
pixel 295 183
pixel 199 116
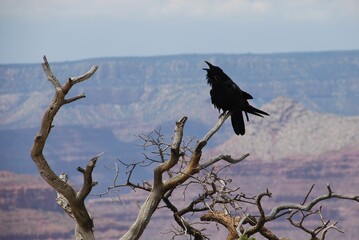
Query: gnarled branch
pixel 160 187
pixel 226 158
pixel 285 209
pixel 74 202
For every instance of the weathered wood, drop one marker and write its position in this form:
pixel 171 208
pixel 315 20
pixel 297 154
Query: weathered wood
pixel 160 188
pixel 72 202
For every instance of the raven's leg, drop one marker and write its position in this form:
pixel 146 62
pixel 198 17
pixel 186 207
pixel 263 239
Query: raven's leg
pixel 247 116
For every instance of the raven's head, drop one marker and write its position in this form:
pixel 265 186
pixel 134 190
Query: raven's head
pixel 214 73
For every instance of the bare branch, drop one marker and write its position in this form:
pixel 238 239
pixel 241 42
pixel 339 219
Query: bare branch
pixel 177 138
pixel 70 100
pixel 72 81
pixel 50 76
pixel 85 76
pixel 216 127
pixel 175 153
pixel 329 195
pixel 332 226
pixel 191 208
pixel 261 220
pixel 309 192
pixel 160 188
pixel 324 227
pixel 88 183
pixel 281 210
pixel 193 166
pixel 226 158
pixel 225 220
pixel 67 195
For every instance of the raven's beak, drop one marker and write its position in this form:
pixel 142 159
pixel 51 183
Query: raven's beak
pixel 209 64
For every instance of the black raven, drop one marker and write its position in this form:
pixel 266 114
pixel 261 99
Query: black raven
pixel 227 96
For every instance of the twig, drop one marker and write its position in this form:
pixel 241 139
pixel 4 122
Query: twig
pixel 226 158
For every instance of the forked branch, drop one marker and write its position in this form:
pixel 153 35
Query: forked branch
pixel 72 202
pixel 292 209
pixel 161 187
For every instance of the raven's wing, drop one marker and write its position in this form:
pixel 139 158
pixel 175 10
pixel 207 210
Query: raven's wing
pixel 246 95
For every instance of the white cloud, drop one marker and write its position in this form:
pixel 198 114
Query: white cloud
pixel 69 29
pixel 159 9
pixel 318 10
pixel 261 7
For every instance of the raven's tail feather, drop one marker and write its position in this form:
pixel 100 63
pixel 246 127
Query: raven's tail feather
pixel 237 122
pixel 255 111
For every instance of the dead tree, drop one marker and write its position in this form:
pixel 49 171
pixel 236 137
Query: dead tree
pixel 183 172
pixel 161 187
pixel 73 202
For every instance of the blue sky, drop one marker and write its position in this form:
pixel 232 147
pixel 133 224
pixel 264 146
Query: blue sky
pixel 70 30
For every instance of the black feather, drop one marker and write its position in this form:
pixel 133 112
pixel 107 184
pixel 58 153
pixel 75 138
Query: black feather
pixel 227 96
